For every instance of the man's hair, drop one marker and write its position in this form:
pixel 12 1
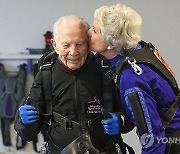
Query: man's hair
pixel 71 19
pixel 120 26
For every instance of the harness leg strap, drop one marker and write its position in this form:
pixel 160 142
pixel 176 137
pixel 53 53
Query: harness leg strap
pixel 5 128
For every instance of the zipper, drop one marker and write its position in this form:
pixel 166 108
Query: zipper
pixel 76 105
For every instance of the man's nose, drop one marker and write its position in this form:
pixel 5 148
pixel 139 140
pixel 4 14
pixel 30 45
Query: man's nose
pixel 73 50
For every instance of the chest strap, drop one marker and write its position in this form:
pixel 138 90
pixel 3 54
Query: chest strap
pixel 67 123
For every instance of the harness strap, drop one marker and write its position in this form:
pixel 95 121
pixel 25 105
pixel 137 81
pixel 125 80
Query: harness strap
pixel 46 70
pixel 168 116
pixel 66 123
pixel 107 83
pixel 45 67
pixel 46 76
pixel 174 134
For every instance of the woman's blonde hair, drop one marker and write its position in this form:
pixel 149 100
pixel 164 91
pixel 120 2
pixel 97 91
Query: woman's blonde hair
pixel 120 26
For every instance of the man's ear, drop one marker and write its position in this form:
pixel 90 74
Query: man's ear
pixel 54 44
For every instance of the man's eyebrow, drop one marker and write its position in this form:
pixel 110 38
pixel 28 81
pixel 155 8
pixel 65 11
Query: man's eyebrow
pixel 64 42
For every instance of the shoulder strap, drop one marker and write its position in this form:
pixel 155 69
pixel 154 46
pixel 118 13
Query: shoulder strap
pixel 46 71
pixel 104 65
pixel 47 58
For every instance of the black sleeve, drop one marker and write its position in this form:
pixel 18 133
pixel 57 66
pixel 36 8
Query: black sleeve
pixel 29 132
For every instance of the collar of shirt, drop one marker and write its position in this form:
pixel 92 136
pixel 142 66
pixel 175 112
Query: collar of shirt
pixel 74 72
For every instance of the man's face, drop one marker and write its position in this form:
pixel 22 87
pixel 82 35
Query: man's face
pixel 96 41
pixel 72 45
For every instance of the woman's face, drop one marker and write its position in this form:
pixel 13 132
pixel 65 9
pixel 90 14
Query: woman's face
pixel 96 41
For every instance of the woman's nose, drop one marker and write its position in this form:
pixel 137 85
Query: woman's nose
pixel 89 32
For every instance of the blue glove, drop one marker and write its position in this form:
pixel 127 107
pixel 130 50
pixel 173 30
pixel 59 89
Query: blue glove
pixel 112 125
pixel 28 114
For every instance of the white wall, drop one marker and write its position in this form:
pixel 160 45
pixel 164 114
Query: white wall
pixel 23 23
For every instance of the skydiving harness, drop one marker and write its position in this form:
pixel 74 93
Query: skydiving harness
pixel 45 65
pixel 46 70
pixel 148 54
pixel 12 88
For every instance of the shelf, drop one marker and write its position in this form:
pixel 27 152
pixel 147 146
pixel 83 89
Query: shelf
pixel 28 58
pixel 19 56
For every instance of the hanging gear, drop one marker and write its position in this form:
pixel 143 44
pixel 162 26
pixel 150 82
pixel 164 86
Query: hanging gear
pixel 12 88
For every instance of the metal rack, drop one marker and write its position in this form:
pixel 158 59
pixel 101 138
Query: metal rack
pixel 27 57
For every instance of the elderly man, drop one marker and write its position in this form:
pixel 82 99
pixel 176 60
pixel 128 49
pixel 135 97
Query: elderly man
pixel 67 96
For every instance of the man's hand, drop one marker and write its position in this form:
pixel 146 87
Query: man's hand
pixel 28 114
pixel 112 125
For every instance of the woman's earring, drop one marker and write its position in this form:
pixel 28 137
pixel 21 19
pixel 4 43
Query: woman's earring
pixel 110 47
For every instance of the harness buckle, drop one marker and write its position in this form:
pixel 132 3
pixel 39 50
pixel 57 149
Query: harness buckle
pixel 46 65
pixel 138 70
pixel 118 149
pixel 89 125
pixel 48 119
pixel 49 122
pixel 68 125
pixel 103 65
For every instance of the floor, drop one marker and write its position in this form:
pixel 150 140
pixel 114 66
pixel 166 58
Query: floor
pixel 28 149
